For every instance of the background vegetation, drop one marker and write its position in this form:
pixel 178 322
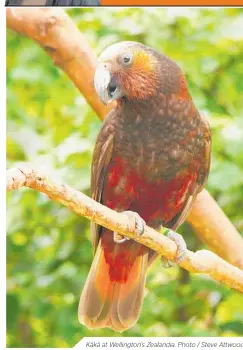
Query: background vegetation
pixel 50 124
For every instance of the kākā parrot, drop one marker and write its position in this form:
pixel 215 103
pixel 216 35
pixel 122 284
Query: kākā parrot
pixel 151 159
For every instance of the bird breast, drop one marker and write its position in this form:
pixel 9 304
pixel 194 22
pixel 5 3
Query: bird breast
pixel 155 142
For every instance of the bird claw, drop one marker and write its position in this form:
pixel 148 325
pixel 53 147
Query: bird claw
pixel 181 250
pixel 139 227
pixel 119 238
pixel 166 263
pixel 139 222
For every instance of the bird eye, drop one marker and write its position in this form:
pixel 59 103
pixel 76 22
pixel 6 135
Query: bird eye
pixel 126 59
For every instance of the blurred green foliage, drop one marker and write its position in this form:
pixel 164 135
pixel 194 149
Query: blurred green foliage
pixel 51 125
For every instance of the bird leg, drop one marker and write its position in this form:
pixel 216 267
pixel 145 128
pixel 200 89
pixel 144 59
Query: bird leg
pixel 139 227
pixel 181 250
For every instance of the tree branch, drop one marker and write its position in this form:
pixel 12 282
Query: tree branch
pixel 54 30
pixel 202 261
pixel 57 34
pixel 214 228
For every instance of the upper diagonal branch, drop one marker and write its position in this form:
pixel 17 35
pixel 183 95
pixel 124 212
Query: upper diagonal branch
pixel 201 262
pixel 58 35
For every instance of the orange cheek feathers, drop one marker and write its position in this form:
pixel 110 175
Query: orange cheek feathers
pixel 140 79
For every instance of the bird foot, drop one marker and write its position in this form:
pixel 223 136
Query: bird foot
pixel 139 227
pixel 119 238
pixel 181 250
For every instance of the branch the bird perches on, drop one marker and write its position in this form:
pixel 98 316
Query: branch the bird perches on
pixel 202 261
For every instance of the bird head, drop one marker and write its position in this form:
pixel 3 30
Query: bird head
pixel 127 70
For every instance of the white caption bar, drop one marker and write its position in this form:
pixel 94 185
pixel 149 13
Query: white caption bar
pixel 127 343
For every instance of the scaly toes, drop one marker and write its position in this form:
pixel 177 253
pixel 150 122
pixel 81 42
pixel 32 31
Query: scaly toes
pixel 139 227
pixel 139 222
pixel 181 250
pixel 181 246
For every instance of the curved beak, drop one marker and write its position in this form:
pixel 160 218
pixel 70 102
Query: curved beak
pixel 102 80
pixel 106 86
